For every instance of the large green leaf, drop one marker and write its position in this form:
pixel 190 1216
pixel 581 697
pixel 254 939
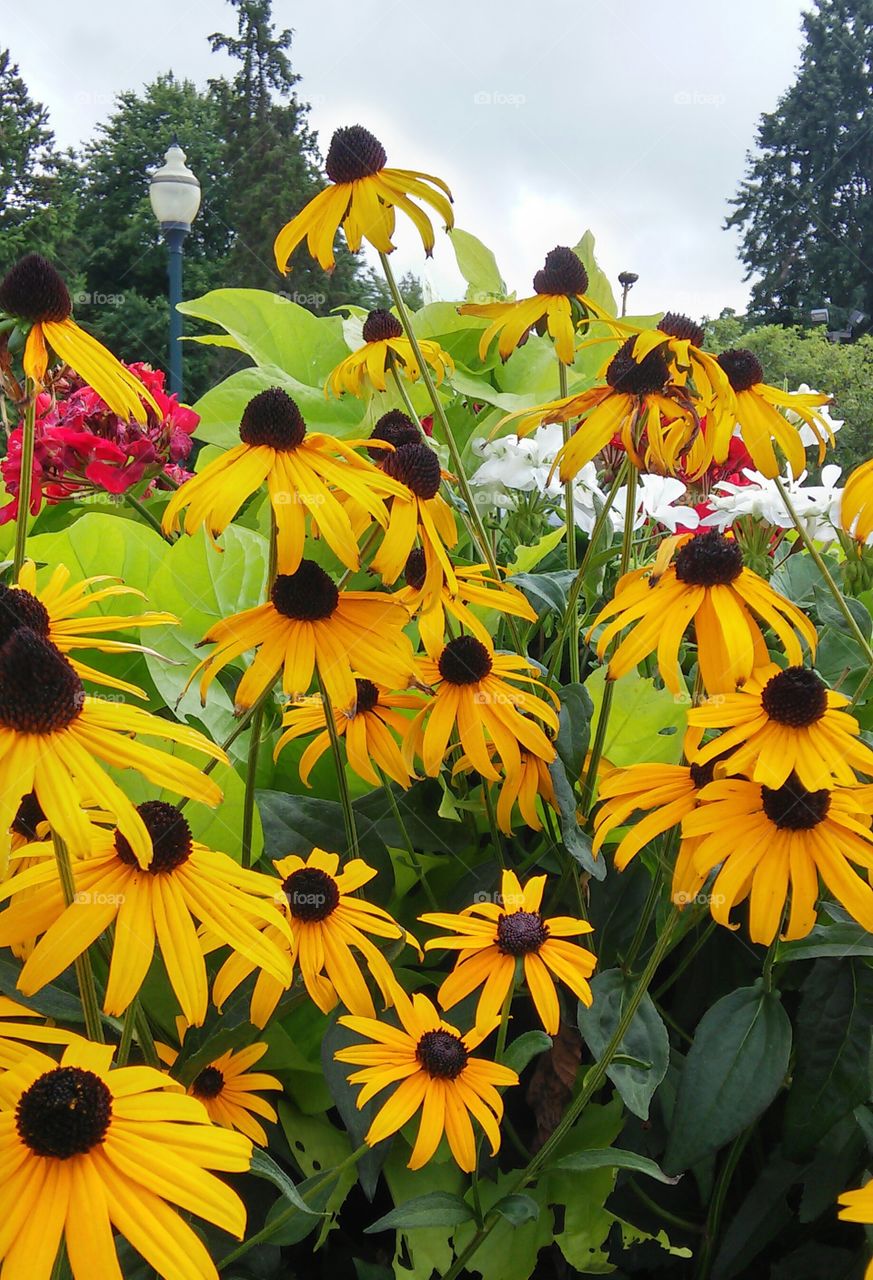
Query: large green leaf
pixel 435 1209
pixel 574 729
pixel 645 724
pixel 599 288
pixel 612 1158
pixel 101 543
pixel 734 1069
pixel 478 266
pixel 645 1040
pixel 221 408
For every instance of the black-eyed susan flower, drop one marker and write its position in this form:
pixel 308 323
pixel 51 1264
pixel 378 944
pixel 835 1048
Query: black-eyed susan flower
pixel 857 1206
pixel 309 623
pixel 655 418
pixel 362 199
pixel 304 472
pixel 55 612
pixel 756 411
pixel 680 340
pixel 229 1089
pixel 421 515
pixel 473 586
pixel 184 885
pixel 85 1149
pixel 856 507
pixel 328 923
pixel 386 348
pixel 491 937
pixel 700 578
pixel 33 293
pixel 473 695
pixel 19 1032
pixel 53 738
pixel 370 729
pixel 433 1068
pixel 783 722
pixel 772 844
pixel 559 305
pixel 532 783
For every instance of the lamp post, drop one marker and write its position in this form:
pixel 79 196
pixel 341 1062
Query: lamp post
pixel 174 193
pixel 627 280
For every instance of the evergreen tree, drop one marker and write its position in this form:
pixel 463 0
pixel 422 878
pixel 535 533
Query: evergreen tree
pixel 805 207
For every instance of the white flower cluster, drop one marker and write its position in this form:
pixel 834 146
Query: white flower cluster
pixel 817 505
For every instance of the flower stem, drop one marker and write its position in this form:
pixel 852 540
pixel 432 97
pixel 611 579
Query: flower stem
pixel 407 402
pixel 148 516
pixel 248 816
pixel 127 1028
pixel 570 536
pixel 342 781
pixel 84 971
pixel 407 840
pixel 25 483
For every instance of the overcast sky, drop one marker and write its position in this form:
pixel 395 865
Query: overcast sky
pixel 545 116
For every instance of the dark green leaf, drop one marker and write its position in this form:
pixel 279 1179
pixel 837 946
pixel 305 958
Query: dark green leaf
pixel 517 1209
pixel 645 1040
pixel 547 592
pixel 51 1001
pixel 763 1213
pixel 575 727
pixel 436 1209
pixel 837 938
pixel 356 1122
pixel 264 1166
pixel 527 1047
pixel 611 1158
pixel 576 841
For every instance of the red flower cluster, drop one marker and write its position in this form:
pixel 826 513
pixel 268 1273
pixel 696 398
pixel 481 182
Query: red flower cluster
pixel 82 447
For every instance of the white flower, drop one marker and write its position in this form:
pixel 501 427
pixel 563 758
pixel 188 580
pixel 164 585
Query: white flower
pixel 807 435
pixel 656 497
pixel 816 505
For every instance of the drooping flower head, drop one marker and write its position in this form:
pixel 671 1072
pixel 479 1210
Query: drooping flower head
pixel 385 349
pixel 473 585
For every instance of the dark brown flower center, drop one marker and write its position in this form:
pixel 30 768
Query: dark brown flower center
pixel 171 838
pixel 416 569
pixel 562 272
pixel 272 418
pixel 32 290
pixel 367 696
pixel 208 1084
pixel 743 368
pixel 416 466
pixel 792 808
pixel 394 428
pixel 679 326
pixel 18 608
pixel 39 690
pixel 380 325
pixel 28 818
pixel 521 932
pixel 702 774
pixel 307 595
pixel 796 697
pixel 65 1112
pixel 354 153
pixel 465 660
pixel 311 894
pixel 442 1054
pixel 709 560
pixel 634 378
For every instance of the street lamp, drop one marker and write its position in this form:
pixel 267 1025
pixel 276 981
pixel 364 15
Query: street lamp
pixel 627 280
pixel 175 196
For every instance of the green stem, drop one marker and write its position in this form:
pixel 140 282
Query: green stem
pixel 496 834
pixel 684 1224
pixel 25 483
pixel 145 1038
pixel 592 1082
pixel 342 781
pixel 150 518
pixel 127 1033
pixel 570 533
pixel 370 542
pixel 643 923
pixel 248 816
pixel 686 960
pixel 407 840
pixel 716 1204
pixel 82 963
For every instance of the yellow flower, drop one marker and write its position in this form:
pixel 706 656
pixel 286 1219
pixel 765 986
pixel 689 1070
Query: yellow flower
pixel 856 509
pixel 756 410
pixel 491 938
pixel 472 695
pixel 704 582
pixel 559 304
pixel 385 347
pixel 309 623
pixel 768 842
pixel 857 1206
pixel 422 514
pixel 328 920
pixel 17 1035
pixel 185 882
pixel 532 781
pixel 429 596
pixel 33 293
pixel 784 722
pixel 304 471
pixel 85 1149
pixel 366 727
pixel 437 1075
pixel 226 1087
pixel 53 737
pixel 680 340
pixel 54 611
pixel 362 199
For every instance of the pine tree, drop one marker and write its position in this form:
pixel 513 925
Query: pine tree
pixel 805 207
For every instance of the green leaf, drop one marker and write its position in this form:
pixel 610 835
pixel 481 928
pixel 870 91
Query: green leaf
pixel 645 724
pixel 221 408
pixel 264 1166
pixel 547 592
pixel 523 1050
pixel 517 1209
pixel 102 543
pixel 356 1121
pixel 576 841
pixel 51 1000
pixel 436 1209
pixel 840 938
pixel 574 730
pixel 734 1069
pixel 527 558
pixel 612 1158
pixel 478 266
pixel 831 1074
pixel 646 1039
pixel 599 289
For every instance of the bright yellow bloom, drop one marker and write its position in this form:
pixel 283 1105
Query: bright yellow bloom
pixel 18 1035
pixel 532 781
pixel 473 585
pixel 856 509
pixel 472 695
pixel 421 515
pixel 366 728
pixel 33 293
pixel 306 473
pixel 699 578
pixel 53 737
pixel 385 348
pixel 226 1087
pixel 308 624
pixel 857 1206
pixel 770 843
pixel 559 304
pixel 328 921
pixel 85 1149
pixel 680 341
pixel 184 884
pixel 492 937
pixel 437 1074
pixel 362 199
